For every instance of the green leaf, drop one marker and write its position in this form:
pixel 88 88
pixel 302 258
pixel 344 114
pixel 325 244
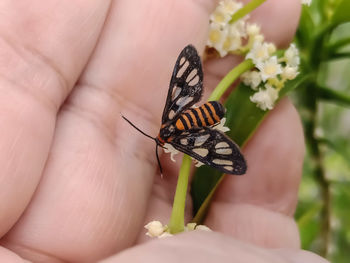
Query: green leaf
pixel 306 28
pixel 242 122
pixel 341 13
pixel 333 47
pixel 332 95
pixel 339 147
pixel 243 119
pixel 309 225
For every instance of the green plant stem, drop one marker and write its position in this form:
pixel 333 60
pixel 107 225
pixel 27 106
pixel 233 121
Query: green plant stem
pixel 320 173
pixel 177 219
pixel 231 77
pixel 245 10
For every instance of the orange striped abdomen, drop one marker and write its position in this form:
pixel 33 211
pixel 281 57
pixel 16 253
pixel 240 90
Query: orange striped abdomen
pixel 207 114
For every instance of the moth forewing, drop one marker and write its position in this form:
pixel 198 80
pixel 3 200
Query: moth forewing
pixel 186 84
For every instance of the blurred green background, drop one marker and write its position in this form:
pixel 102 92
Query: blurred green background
pixel 323 213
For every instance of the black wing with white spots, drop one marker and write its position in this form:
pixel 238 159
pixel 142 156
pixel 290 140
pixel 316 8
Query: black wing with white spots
pixel 186 84
pixel 212 148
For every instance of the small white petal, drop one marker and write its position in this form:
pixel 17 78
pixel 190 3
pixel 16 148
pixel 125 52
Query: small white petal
pixel 265 98
pixel 306 2
pixel 217 37
pixel 203 228
pixel 270 68
pixel 221 126
pixel 271 48
pixel 253 29
pixel 252 79
pixel 239 28
pixel 231 43
pixel 165 234
pixel 291 56
pixel 290 72
pixel 155 228
pixel 190 226
pixel 170 149
pixel 230 6
pixel 220 16
pixel 259 53
pixel 259 38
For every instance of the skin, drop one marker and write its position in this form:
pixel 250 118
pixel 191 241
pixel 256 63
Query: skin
pixel 78 183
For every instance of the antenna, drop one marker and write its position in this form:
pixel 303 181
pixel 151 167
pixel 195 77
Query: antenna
pixel 157 143
pixel 139 129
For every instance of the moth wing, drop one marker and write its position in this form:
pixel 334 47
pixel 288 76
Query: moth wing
pixel 186 84
pixel 212 148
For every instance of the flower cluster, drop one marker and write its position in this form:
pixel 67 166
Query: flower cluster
pixel 157 229
pixel 224 36
pixel 270 72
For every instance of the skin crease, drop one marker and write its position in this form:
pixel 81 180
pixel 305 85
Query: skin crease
pixel 78 183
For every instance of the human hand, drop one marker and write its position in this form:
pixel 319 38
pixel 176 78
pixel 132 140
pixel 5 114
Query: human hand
pixel 78 184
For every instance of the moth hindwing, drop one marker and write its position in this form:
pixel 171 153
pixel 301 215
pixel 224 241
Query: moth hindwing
pixel 212 148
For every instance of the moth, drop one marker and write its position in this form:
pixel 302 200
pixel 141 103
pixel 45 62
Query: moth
pixel 191 129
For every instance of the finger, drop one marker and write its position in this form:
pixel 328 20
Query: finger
pixel 42 55
pixel 7 255
pixel 258 206
pixel 200 246
pixel 98 178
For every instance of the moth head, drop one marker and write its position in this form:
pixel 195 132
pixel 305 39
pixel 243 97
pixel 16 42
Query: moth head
pixel 167 131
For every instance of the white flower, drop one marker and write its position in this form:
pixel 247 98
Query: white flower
pixel 271 47
pixel 190 226
pixel 290 72
pixel 165 234
pixel 168 148
pixel 238 29
pixel 258 53
pixel 306 2
pixel 203 228
pixel 221 126
pixel 253 30
pixel 217 37
pixel 220 16
pixel 230 6
pixel 259 38
pixel 265 98
pixel 252 79
pixel 155 229
pixel 231 43
pixel 270 68
pixel 291 56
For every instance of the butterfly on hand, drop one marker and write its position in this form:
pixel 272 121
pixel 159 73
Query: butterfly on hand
pixel 190 129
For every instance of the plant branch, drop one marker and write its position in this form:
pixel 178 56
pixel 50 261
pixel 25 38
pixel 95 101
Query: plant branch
pixel 230 78
pixel 177 219
pixel 245 10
